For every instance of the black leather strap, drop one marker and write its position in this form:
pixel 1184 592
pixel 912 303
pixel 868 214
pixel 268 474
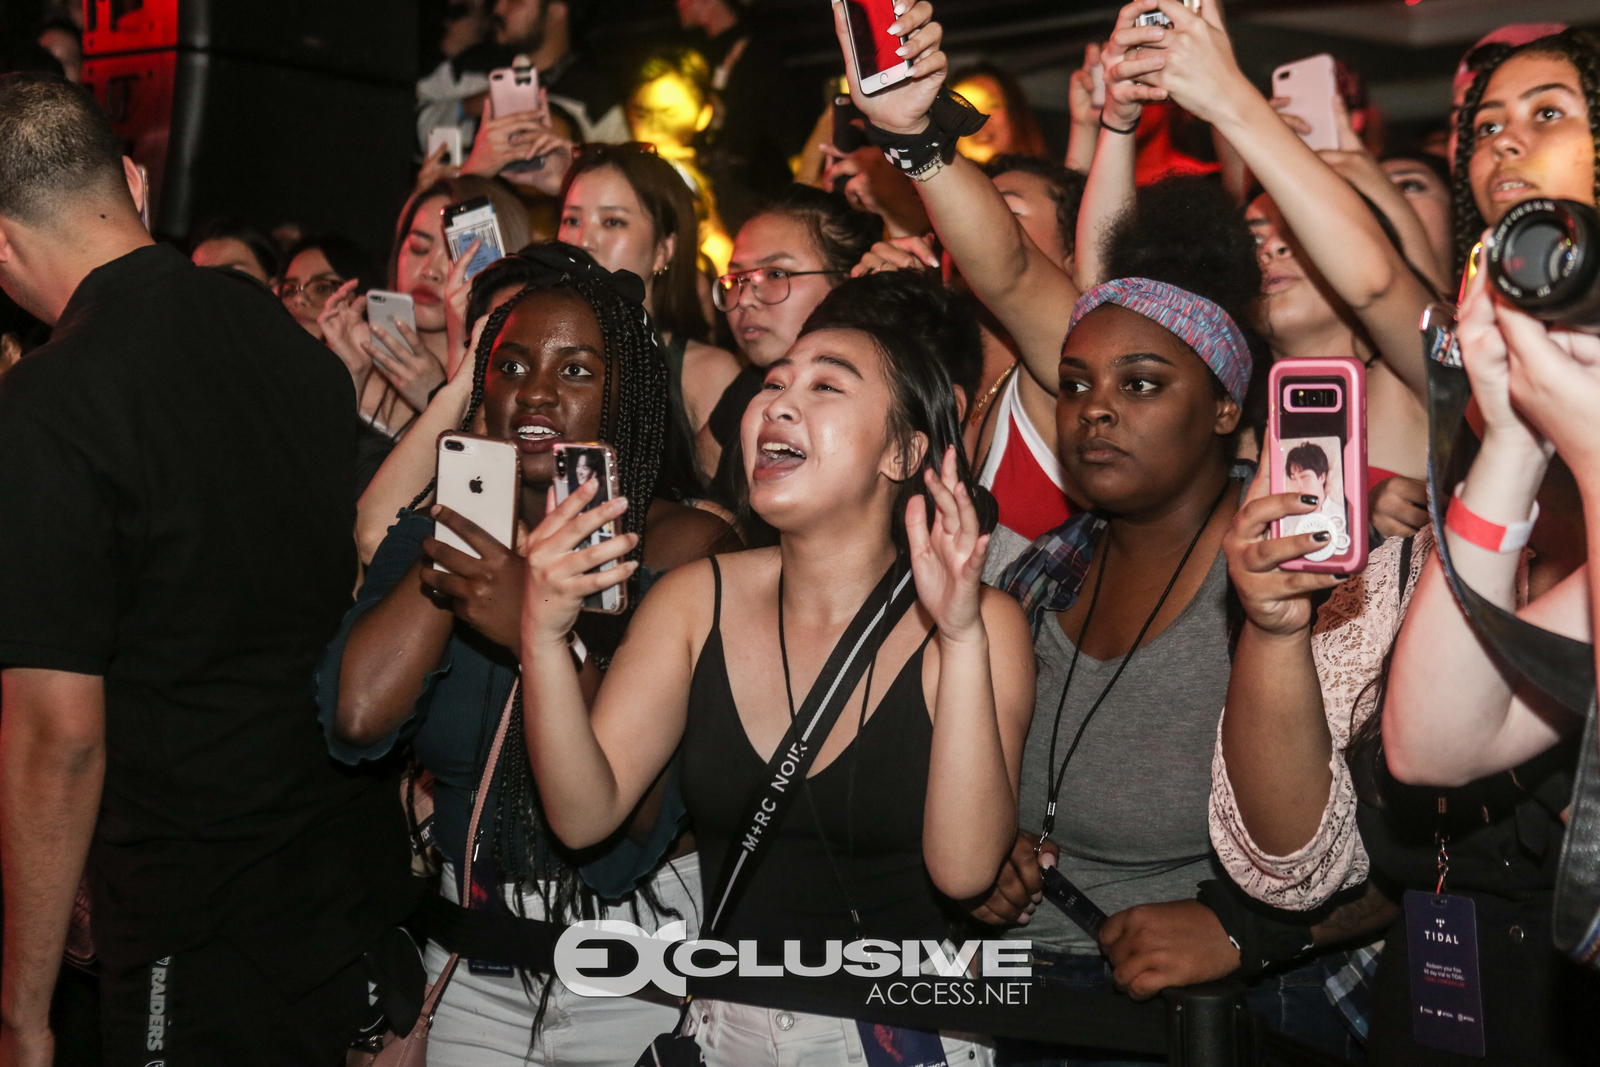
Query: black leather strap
pixel 1559 666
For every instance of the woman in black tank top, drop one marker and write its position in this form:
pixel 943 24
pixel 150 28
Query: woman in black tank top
pixel 852 447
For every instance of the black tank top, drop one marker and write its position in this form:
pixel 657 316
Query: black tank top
pixel 794 893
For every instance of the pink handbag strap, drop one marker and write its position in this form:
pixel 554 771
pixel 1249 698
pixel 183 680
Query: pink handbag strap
pixel 431 1004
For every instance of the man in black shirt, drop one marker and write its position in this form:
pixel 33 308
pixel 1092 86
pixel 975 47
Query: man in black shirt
pixel 175 551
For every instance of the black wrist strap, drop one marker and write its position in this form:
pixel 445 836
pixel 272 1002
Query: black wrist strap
pixel 950 118
pixel 786 770
pixel 1104 125
pixel 1263 942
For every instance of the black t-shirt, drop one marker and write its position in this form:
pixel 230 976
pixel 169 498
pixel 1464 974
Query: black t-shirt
pixel 175 516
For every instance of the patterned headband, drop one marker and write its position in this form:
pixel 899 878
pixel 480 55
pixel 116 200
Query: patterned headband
pixel 1193 319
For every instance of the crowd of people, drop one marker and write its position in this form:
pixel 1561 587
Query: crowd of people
pixel 883 361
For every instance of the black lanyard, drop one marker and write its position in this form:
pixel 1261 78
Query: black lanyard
pixel 855 757
pixel 1060 776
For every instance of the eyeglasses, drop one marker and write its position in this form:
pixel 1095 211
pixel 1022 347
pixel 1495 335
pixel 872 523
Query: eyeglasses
pixel 770 284
pixel 316 291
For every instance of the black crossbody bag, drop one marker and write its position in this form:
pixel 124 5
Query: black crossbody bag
pixel 1562 668
pixel 785 774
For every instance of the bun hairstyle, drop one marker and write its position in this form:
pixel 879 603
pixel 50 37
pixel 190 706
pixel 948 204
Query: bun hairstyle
pixel 840 233
pixel 886 307
pixel 1578 47
pixel 1188 232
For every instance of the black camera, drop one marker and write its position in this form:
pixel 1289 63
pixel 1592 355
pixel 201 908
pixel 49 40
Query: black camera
pixel 1544 257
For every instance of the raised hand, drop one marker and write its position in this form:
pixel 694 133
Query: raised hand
pixel 1276 601
pixel 457 291
pixel 947 561
pixel 505 139
pixel 557 152
pixel 1555 385
pixel 903 107
pixel 406 362
pixel 1198 70
pixel 1131 55
pixel 558 577
pixel 344 330
pixel 1080 89
pixel 484 593
pixel 897 253
pixel 434 168
pixel 1488 364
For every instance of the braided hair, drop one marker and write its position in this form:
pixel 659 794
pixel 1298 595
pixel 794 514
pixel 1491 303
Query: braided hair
pixel 1578 47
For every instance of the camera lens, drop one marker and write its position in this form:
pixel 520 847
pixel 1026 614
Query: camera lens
pixel 1544 256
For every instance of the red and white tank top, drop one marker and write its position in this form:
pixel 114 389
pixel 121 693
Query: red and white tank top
pixel 1022 471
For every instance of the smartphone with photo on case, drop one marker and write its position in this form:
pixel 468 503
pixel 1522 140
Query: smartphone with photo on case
pixel 1317 446
pixel 478 479
pixel 469 220
pixel 576 463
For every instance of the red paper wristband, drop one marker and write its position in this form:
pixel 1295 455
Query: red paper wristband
pixel 1479 531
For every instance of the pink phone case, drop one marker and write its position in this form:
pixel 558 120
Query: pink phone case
pixel 1311 85
pixel 1316 408
pixel 508 97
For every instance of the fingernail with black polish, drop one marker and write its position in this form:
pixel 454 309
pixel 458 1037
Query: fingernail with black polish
pixel 1307 498
pixel 1320 536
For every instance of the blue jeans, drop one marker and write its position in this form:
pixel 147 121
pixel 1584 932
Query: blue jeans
pixel 1292 1002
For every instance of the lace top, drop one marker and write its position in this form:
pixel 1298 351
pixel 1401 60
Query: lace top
pixel 1353 632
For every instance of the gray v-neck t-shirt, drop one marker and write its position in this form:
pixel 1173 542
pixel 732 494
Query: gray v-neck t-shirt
pixel 1131 817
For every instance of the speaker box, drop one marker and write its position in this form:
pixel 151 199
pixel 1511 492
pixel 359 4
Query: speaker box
pixel 306 120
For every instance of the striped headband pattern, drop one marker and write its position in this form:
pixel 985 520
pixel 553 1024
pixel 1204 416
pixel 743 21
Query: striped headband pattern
pixel 1196 321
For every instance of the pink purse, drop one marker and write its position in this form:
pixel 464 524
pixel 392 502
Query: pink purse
pixel 412 1049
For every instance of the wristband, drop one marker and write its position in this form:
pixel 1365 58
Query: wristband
pixel 1104 125
pixel 922 155
pixel 1263 942
pixel 1477 530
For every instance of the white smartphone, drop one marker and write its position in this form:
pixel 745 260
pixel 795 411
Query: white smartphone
pixel 471 219
pixel 1310 85
pixel 478 478
pixel 385 309
pixel 872 49
pixel 514 89
pixel 576 463
pixel 1097 75
pixel 450 137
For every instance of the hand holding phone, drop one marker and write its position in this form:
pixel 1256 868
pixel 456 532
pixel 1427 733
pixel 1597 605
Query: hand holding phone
pixel 1317 447
pixel 385 309
pixel 473 220
pixel 450 138
pixel 872 50
pixel 577 463
pixel 478 479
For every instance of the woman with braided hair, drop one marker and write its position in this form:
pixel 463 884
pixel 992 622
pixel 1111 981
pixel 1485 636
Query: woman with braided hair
pixel 428 656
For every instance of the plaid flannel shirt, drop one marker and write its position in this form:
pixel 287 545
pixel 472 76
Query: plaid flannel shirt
pixel 1048 575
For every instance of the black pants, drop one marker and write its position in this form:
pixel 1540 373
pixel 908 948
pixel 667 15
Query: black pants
pixel 210 1006
pixel 1539 1009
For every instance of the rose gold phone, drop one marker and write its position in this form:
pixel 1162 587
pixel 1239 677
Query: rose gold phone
pixel 478 480
pixel 576 463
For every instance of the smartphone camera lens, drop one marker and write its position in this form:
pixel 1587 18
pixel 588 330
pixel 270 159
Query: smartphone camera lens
pixel 1327 399
pixel 1544 257
pixel 454 446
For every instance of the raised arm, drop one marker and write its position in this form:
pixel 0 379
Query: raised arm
pixel 52 766
pixel 1030 295
pixel 985 694
pixel 1338 232
pixel 1109 192
pixel 411 463
pixel 592 770
pixel 1453 714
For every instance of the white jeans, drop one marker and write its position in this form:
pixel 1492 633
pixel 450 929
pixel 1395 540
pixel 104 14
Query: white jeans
pixel 487 1022
pixel 737 1035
